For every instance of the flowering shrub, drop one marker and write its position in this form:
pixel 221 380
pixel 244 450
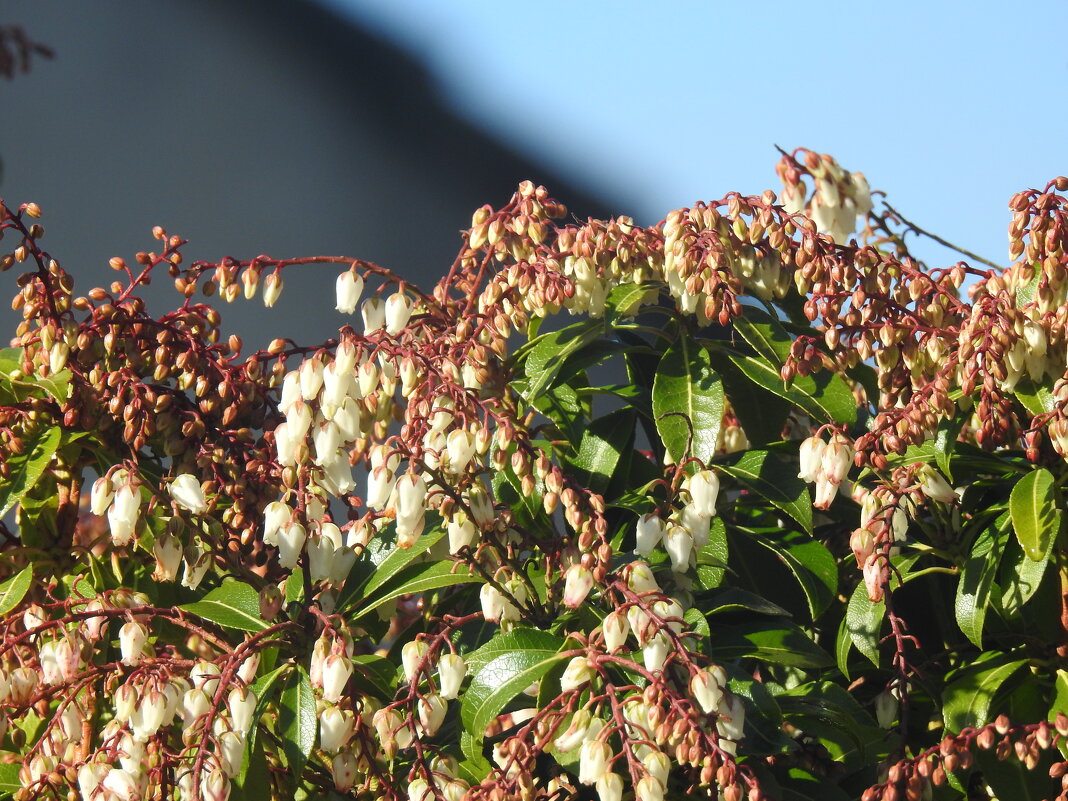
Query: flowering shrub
pixel 447 555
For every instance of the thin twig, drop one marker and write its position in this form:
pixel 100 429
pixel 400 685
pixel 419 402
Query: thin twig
pixel 917 230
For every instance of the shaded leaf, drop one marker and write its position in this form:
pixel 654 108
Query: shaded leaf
pixel 864 617
pixel 967 699
pixel 775 640
pixel 808 560
pixel 603 444
pixel 771 478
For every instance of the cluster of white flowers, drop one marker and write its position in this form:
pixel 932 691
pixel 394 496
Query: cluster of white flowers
pixel 687 530
pixel 840 201
pixel 826 463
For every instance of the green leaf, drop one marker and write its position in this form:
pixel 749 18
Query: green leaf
pixel 626 300
pixel 1034 513
pixel 379 563
pixel 235 605
pixel 734 599
pixel 1021 576
pixel 399 558
pixel 14 589
pixel 976 579
pixel 19 386
pixel 810 562
pixel 825 396
pixel 1037 400
pixel 500 680
pixel 762 414
pixel 262 688
pixel 688 400
pixel 774 480
pixel 420 578
pixel 27 467
pixel 966 700
pixel 764 334
pixel 542 358
pixel 712 558
pixel 295 587
pixel 297 721
pixel 9 778
pixel 518 639
pixel 374 673
pixel 775 640
pixel 864 617
pixel 604 442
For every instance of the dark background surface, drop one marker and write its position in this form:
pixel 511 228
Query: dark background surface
pixel 272 127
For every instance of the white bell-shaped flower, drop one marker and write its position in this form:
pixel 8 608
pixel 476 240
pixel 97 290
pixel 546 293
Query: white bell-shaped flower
pixel 311 378
pixel 186 491
pixel 101 496
pixel 398 310
pixel 649 532
pixel 451 672
pixel 578 581
pixel 337 670
pixel 349 287
pixel 703 487
pixel 594 757
pixel 615 629
pixel 290 544
pixel 124 512
pixel 373 311
pixel 132 639
pixel 336 727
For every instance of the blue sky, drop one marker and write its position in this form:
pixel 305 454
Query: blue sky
pixel 949 107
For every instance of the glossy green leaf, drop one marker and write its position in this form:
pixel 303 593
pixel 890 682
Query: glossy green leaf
pixel 825 396
pixel 500 680
pixel 19 387
pixel 1034 513
pixel 297 721
pixel 810 562
pixel 27 467
pixel 1037 400
pixel 420 578
pixel 604 443
pixel 543 358
pixel 734 599
pixel 967 699
pixel 399 558
pixel 1021 576
pixel 764 334
pixel 626 300
pixel 518 639
pixel 776 640
pixel 864 617
pixel 264 688
pixel 295 587
pixel 234 605
pixel 775 480
pixel 976 579
pixel 14 589
pixel 688 400
pixel 712 558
